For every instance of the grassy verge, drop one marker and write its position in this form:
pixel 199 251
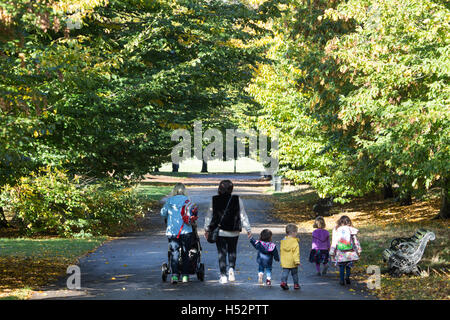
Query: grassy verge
pixel 379 221
pixel 154 192
pixel 27 264
pixel 149 194
pixel 434 281
pixel 172 174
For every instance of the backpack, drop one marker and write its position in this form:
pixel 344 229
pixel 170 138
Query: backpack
pixel 188 207
pixel 344 237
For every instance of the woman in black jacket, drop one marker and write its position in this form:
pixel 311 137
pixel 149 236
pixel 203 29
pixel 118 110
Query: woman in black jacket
pixel 230 227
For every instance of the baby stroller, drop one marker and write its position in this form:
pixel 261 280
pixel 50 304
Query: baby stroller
pixel 194 256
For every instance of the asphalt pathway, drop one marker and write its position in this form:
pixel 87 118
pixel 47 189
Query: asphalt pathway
pixel 130 267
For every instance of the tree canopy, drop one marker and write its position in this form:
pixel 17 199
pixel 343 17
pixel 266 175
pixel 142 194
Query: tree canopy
pixel 356 91
pixel 98 86
pixel 359 94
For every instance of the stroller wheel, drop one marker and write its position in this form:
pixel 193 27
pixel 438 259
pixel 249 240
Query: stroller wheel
pixel 201 272
pixel 164 272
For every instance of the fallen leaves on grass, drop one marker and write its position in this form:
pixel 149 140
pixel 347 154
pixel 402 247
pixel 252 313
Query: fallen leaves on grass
pixel 20 272
pixel 28 264
pixel 379 221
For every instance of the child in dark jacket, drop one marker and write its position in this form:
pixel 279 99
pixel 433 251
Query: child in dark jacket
pixel 267 251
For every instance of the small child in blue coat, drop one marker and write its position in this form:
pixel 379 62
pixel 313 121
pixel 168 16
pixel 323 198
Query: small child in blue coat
pixel 267 251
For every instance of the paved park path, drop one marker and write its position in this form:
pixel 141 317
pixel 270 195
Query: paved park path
pixel 130 267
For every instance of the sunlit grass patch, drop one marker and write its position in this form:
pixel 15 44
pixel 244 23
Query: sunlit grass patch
pixel 153 192
pixel 294 206
pixel 172 174
pixel 67 248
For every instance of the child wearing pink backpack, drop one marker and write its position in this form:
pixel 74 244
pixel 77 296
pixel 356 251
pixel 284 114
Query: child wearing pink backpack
pixel 345 248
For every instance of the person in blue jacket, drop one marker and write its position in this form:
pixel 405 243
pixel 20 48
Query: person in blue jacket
pixel 267 252
pixel 180 213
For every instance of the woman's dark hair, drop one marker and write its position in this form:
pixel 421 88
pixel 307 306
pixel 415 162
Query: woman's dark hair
pixel 343 221
pixel 265 235
pixel 225 187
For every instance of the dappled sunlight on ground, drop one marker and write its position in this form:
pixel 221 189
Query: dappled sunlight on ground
pixel 297 207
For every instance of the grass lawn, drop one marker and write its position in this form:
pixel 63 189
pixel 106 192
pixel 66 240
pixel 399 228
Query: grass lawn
pixel 27 263
pixel 154 192
pixel 172 174
pixel 379 221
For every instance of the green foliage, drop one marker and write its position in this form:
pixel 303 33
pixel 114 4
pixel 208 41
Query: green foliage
pixel 356 90
pixel 50 202
pixel 104 98
pixel 401 106
pixel 358 94
pixel 112 207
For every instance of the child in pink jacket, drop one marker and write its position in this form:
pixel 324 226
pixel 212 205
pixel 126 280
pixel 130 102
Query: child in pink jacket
pixel 345 247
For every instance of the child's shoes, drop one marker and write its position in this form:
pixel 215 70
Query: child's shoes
pixel 260 278
pixel 284 286
pixel 223 279
pixel 268 282
pixel 325 269
pixel 296 286
pixel 347 280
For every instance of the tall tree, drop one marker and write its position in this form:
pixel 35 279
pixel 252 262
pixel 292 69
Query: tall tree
pixel 359 94
pixel 97 86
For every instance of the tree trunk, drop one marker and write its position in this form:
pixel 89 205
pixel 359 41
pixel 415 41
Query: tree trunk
pixel 406 200
pixel 175 167
pixel 388 191
pixel 204 166
pixel 445 204
pixel 3 221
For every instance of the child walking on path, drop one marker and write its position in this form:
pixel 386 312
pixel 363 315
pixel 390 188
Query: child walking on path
pixel 320 246
pixel 267 251
pixel 290 257
pixel 345 248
